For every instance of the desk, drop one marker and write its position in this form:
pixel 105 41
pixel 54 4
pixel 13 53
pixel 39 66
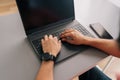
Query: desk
pixel 18 60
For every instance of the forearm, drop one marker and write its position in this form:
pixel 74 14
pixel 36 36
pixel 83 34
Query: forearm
pixel 109 46
pixel 46 71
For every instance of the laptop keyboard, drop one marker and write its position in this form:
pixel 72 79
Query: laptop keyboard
pixel 80 28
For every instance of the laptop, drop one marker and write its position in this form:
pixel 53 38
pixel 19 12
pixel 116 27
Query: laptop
pixel 41 17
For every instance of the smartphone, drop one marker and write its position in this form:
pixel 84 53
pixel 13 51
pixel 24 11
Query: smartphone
pixel 100 31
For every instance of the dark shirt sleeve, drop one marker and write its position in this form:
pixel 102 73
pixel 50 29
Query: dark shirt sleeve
pixel 118 40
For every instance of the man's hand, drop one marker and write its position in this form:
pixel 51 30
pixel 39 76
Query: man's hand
pixel 73 37
pixel 51 44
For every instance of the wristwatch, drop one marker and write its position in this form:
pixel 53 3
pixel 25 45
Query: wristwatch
pixel 48 57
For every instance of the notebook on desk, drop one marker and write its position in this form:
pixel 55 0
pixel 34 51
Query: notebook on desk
pixel 41 17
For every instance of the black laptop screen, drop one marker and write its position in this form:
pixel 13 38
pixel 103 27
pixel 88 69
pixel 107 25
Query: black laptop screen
pixel 39 13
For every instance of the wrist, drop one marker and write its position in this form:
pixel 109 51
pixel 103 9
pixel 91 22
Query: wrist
pixel 53 53
pixel 48 62
pixel 48 57
pixel 88 41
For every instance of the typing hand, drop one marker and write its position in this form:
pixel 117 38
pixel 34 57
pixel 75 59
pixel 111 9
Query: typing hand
pixel 51 44
pixel 72 36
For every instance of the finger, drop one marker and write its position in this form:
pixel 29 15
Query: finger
pixel 50 36
pixel 59 42
pixel 63 39
pixel 66 35
pixel 67 31
pixel 42 41
pixel 46 37
pixel 67 40
pixel 55 38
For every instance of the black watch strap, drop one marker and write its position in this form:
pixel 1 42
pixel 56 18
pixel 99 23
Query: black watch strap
pixel 53 58
pixel 48 57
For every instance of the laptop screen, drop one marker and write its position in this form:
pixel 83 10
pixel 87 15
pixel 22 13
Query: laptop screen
pixel 37 14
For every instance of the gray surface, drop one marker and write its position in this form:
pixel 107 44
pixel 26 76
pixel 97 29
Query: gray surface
pixel 17 58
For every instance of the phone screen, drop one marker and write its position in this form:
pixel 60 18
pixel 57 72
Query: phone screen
pixel 100 31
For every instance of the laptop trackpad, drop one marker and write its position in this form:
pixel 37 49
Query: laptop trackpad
pixel 69 50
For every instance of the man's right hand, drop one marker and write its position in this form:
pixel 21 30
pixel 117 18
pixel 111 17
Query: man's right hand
pixel 73 36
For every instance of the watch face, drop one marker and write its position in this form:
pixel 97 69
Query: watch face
pixel 46 56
